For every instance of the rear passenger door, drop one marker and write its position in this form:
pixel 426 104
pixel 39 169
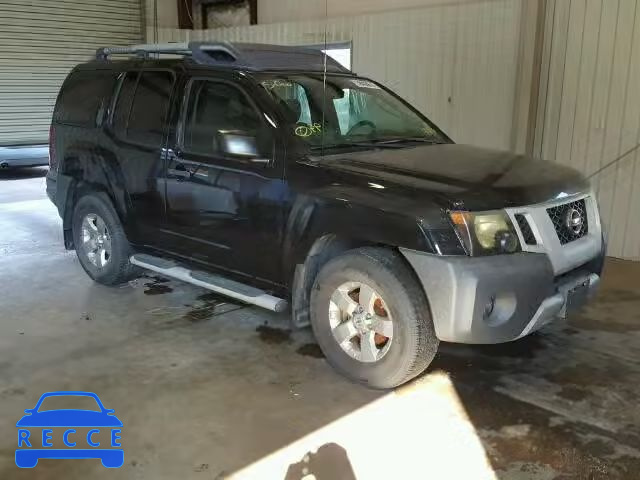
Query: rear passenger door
pixel 225 188
pixel 139 128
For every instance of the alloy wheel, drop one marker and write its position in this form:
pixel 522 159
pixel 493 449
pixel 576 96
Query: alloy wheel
pixel 96 241
pixel 360 322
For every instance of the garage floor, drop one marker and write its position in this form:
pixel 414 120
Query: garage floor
pixel 208 389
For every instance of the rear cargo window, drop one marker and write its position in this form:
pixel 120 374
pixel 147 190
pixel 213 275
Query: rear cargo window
pixel 148 117
pixel 84 98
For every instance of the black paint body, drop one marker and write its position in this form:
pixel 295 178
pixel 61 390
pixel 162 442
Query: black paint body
pixel 256 222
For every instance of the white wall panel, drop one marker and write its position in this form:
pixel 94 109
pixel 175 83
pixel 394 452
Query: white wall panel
pixel 590 104
pixel 277 11
pixel 457 63
pixel 162 14
pixel 40 41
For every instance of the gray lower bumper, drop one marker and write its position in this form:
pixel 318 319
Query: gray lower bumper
pixel 499 298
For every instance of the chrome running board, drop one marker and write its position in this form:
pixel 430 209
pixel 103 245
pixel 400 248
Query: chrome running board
pixel 216 283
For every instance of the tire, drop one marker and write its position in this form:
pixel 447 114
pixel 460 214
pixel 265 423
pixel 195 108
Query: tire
pixel 117 268
pixel 413 343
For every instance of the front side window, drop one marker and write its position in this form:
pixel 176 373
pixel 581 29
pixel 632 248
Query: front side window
pixel 220 120
pixel 345 110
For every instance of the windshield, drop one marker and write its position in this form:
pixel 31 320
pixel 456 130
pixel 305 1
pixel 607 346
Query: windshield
pixel 355 111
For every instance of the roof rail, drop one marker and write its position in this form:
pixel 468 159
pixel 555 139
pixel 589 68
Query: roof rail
pixel 201 52
pixel 239 55
pixel 144 50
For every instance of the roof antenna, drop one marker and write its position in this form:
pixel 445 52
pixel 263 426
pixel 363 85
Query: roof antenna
pixel 324 73
pixel 155 22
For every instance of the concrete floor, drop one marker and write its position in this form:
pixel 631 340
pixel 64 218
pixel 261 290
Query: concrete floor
pixel 209 389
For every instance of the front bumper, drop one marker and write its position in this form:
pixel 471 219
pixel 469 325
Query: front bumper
pixel 499 298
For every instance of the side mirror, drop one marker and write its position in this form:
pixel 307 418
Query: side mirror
pixel 28 410
pixel 238 144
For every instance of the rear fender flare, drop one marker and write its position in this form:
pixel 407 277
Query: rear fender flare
pixel 87 172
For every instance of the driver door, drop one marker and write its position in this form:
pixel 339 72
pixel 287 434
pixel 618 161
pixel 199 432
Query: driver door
pixel 225 193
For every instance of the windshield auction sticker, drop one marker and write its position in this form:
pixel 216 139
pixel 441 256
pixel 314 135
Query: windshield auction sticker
pixel 308 130
pixel 364 84
pixel 276 83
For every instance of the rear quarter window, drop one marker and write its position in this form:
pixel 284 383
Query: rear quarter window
pixel 84 98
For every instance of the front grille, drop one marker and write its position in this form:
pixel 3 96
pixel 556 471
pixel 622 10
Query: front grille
pixel 525 229
pixel 570 221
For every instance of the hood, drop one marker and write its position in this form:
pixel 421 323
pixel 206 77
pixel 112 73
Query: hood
pixel 460 176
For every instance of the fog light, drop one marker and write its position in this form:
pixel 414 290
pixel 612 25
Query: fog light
pixel 507 241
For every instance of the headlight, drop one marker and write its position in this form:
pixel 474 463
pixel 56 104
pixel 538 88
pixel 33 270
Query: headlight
pixel 485 233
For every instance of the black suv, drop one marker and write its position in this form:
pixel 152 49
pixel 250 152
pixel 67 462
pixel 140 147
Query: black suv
pixel 275 176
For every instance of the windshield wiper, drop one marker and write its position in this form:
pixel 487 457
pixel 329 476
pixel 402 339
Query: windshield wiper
pixel 355 144
pixel 389 143
pixel 395 141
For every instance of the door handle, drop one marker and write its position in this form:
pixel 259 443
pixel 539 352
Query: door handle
pixel 180 171
pixel 172 154
pixel 260 161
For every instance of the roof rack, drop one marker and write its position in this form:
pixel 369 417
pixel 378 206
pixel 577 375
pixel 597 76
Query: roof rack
pixel 143 50
pixel 238 55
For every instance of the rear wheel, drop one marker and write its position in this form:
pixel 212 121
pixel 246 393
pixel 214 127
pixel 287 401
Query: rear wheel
pixel 101 244
pixel 371 318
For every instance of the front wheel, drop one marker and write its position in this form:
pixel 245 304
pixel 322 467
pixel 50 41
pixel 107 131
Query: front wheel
pixel 371 318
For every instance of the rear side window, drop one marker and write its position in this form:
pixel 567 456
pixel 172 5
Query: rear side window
pixel 123 105
pixel 84 98
pixel 148 117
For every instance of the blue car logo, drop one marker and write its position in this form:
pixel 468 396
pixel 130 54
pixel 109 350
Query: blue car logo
pixel 34 444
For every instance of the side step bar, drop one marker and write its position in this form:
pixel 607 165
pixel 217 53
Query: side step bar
pixel 218 284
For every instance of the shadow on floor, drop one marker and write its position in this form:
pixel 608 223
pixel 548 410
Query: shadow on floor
pixel 329 462
pixel 19 173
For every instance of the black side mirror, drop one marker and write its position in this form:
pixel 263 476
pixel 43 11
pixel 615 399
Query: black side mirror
pixel 240 145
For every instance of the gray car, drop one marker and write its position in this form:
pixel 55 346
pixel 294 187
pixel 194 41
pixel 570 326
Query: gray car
pixel 24 156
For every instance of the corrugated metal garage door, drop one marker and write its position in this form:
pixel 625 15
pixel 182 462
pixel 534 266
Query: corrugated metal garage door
pixel 589 109
pixel 40 41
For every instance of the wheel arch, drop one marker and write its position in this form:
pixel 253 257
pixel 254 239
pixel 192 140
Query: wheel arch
pixel 95 171
pixel 320 227
pixel 323 249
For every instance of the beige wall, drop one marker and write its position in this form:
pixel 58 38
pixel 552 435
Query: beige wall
pixel 275 11
pixel 167 13
pixel 457 63
pixel 278 11
pixel 589 109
